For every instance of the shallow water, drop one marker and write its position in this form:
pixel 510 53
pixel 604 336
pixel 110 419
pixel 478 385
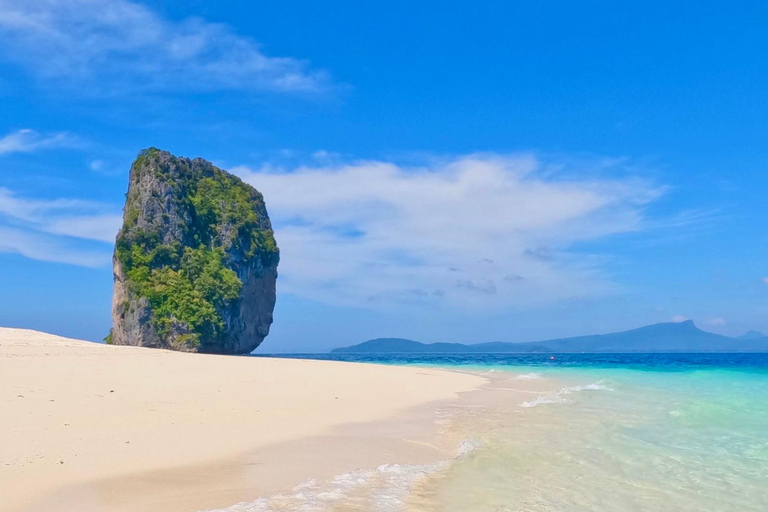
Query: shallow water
pixel 604 433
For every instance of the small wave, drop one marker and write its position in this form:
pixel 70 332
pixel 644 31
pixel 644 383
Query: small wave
pixel 554 399
pixel 468 446
pixel 391 481
pixel 529 376
pixel 559 396
pixel 383 489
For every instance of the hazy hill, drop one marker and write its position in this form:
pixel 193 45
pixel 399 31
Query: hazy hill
pixel 663 337
pixel 751 335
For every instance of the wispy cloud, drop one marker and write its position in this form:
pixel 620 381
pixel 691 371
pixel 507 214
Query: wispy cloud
pixel 114 45
pixel 48 229
pixel 449 233
pixel 26 141
pixel 41 247
pixel 89 220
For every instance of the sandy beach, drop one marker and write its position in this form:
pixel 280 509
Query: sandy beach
pixel 89 427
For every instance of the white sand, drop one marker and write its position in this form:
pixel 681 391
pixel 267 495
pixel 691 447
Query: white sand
pixel 85 426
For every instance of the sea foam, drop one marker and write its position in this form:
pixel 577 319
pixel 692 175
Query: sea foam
pixel 529 376
pixel 560 395
pixel 384 489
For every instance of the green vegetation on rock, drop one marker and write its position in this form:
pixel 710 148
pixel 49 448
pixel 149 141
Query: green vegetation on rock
pixel 186 226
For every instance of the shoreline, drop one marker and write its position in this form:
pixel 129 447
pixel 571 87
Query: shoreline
pixel 95 427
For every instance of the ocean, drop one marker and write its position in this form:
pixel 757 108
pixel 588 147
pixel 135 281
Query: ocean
pixel 596 432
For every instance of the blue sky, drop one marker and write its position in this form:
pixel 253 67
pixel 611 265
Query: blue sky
pixel 444 171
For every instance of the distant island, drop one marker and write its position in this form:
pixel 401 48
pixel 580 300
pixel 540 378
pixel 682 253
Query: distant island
pixel 682 337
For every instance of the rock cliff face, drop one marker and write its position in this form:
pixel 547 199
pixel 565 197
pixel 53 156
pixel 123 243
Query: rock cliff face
pixel 195 262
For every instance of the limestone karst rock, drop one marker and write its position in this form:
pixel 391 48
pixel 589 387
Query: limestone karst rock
pixel 195 263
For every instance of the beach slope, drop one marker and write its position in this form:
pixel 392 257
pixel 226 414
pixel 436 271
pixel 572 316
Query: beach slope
pixel 94 427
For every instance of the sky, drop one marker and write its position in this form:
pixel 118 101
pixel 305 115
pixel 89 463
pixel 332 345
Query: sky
pixel 445 171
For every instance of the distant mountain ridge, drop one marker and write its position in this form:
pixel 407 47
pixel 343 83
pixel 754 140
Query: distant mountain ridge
pixel 664 337
pixel 751 335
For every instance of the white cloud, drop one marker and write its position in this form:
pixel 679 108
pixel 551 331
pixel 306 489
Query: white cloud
pixel 765 280
pixel 45 248
pixel 478 285
pixel 114 45
pixel 679 318
pixel 26 141
pixel 102 227
pixel 716 321
pixel 453 233
pixel 33 209
pixel 47 229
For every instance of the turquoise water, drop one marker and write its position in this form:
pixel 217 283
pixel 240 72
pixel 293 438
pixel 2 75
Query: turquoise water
pixel 601 433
